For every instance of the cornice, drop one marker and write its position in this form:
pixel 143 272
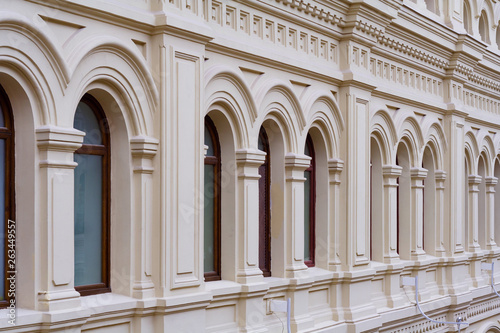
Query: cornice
pixel 136 19
pixel 324 14
pixel 256 59
pixel 411 51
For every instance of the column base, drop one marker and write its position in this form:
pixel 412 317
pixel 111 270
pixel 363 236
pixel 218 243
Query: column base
pixel 143 290
pixel 59 300
pixel 249 275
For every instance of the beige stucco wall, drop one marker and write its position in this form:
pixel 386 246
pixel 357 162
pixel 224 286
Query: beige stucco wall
pixel 362 77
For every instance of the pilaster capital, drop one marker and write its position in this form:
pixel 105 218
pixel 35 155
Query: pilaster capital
pixel 250 157
pixel 491 181
pixel 61 139
pixel 440 177
pixel 143 146
pixel 57 145
pixel 143 150
pixel 297 161
pixel 392 171
pixel 418 173
pixel 335 165
pixel 475 179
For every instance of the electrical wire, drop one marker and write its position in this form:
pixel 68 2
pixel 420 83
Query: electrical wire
pixel 282 325
pixel 459 319
pixel 492 280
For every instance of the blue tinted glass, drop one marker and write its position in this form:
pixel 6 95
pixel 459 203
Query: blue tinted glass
pixel 88 219
pixel 3 236
pixel 209 246
pixel 86 121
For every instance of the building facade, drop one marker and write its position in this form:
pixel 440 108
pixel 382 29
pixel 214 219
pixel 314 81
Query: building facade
pixel 176 165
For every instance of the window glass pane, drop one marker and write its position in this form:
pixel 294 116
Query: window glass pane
pixel 2 218
pixel 306 150
pixel 261 144
pixel 209 142
pixel 88 219
pixel 209 245
pixel 307 215
pixel 2 120
pixel 86 121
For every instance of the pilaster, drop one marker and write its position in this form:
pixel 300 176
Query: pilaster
pixel 143 151
pixel 355 180
pixel 56 146
pixel 390 174
pixel 473 241
pixel 490 212
pixel 474 247
pixel 440 177
pixel 417 217
pixel 248 163
pixel 295 165
pixel 335 168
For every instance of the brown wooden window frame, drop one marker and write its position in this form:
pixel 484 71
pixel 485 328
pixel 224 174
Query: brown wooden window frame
pixel 7 133
pixel 265 208
pixel 312 203
pixel 104 151
pixel 216 162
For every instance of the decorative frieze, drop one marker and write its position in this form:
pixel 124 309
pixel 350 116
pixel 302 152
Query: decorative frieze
pixel 406 77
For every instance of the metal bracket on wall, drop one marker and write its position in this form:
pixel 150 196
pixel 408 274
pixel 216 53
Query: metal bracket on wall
pixel 282 306
pixel 413 281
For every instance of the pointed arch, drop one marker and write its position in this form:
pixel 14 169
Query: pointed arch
pixel 227 89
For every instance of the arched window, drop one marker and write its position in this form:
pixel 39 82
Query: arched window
pixel 7 204
pixel 265 206
pixel 212 209
pixel 484 28
pixel 498 35
pixel 309 205
pixel 404 203
pixel 432 5
pixel 467 17
pixel 92 199
pixel 430 232
pixel 466 203
pixel 376 203
pixel 497 202
pixel 481 205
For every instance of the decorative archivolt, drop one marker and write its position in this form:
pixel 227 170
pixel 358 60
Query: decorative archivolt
pixel 125 69
pixel 228 89
pixel 435 139
pixel 471 151
pixel 487 149
pixel 323 112
pixel 36 61
pixel 383 130
pixel 488 7
pixel 277 97
pixel 410 133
